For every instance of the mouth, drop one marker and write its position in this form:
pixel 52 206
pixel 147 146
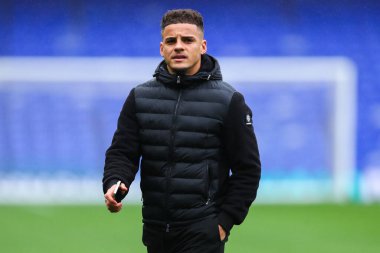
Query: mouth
pixel 179 57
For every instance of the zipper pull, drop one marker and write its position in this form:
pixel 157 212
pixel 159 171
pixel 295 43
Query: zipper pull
pixel 178 79
pixel 167 228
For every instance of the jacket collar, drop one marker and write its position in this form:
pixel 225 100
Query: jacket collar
pixel 209 70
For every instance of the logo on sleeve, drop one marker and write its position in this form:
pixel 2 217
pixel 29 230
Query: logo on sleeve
pixel 248 120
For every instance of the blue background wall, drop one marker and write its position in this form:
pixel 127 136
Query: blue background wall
pixel 232 28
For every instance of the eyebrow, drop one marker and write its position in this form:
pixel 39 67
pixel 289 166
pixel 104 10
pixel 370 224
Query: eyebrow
pixel 183 37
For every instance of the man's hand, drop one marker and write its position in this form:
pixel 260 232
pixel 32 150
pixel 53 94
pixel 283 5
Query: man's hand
pixel 111 203
pixel 222 233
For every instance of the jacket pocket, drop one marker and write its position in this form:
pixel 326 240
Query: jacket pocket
pixel 207 184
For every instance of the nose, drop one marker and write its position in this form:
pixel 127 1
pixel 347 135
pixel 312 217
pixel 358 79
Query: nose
pixel 178 45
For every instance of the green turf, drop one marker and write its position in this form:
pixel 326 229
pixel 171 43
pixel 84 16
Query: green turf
pixel 267 229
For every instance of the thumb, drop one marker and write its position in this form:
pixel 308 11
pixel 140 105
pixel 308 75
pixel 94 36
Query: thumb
pixel 123 188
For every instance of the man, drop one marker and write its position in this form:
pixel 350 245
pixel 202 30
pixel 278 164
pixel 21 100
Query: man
pixel 200 166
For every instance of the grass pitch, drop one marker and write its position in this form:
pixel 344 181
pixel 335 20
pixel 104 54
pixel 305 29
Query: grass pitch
pixel 267 229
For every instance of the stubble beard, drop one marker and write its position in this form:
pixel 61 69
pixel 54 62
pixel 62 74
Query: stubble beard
pixel 181 71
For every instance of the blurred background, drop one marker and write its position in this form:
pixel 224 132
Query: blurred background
pixel 310 71
pixel 58 115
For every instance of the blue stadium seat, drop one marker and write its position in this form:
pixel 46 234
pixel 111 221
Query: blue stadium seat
pixel 122 28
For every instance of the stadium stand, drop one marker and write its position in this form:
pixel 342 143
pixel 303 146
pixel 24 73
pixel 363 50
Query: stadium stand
pixel 131 28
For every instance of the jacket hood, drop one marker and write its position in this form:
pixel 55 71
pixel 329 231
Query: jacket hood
pixel 210 70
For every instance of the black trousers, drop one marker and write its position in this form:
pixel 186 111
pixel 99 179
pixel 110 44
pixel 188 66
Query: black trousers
pixel 198 237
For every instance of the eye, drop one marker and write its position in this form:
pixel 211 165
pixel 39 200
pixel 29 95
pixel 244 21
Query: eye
pixel 187 39
pixel 170 40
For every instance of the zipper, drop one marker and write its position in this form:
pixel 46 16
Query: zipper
pixel 171 155
pixel 208 185
pixel 168 175
pixel 172 131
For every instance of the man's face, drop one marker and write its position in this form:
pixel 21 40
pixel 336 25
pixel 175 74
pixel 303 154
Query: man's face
pixel 182 46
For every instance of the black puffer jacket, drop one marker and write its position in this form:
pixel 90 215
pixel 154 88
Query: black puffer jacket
pixel 190 131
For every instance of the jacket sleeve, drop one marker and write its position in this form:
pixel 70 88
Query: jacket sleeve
pixel 242 152
pixel 123 156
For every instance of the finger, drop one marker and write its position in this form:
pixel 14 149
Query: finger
pixel 222 233
pixel 112 206
pixel 114 209
pixel 110 198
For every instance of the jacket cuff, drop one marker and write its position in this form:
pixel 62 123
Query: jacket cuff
pixel 226 222
pixel 111 182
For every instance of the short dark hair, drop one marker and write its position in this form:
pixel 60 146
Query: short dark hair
pixel 182 16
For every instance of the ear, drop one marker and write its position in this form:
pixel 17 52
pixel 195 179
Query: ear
pixel 203 47
pixel 162 49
